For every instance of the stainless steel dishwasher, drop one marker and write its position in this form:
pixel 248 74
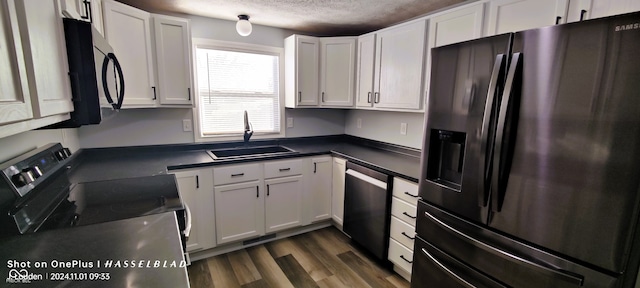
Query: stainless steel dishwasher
pixel 367 206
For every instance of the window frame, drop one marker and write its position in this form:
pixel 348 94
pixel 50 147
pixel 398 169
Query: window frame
pixel 236 47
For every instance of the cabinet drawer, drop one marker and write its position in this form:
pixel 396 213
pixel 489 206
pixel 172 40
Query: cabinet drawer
pixel 404 211
pixel 405 190
pixel 400 255
pixel 402 232
pixel 235 174
pixel 282 168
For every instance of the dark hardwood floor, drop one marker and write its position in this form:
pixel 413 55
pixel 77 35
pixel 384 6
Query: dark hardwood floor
pixel 322 258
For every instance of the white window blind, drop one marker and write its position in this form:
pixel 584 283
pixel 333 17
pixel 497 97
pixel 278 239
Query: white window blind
pixel 230 82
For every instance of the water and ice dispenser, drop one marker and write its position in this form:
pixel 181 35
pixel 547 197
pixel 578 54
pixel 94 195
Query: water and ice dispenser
pixel 446 157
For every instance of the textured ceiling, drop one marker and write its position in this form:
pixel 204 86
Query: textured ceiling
pixel 317 17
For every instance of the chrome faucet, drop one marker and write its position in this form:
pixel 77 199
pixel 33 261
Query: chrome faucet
pixel 248 128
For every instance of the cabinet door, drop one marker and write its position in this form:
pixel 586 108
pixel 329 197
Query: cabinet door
pixel 337 190
pixel 239 210
pixel 399 66
pixel 96 15
pixel 307 55
pixel 365 69
pixel 173 59
pixel 45 55
pixel 283 203
pixel 15 103
pixel 456 26
pixel 196 191
pixel 517 15
pixel 74 9
pixel 320 186
pixel 590 9
pixel 128 31
pixel 337 65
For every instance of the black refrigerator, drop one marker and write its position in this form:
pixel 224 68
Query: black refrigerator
pixel 531 160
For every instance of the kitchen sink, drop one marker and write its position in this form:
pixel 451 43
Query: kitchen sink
pixel 249 152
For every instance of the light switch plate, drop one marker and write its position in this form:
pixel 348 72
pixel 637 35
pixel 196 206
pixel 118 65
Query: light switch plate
pixel 359 123
pixel 289 122
pixel 186 125
pixel 403 128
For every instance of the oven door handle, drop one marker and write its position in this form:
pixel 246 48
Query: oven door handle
pixel 366 178
pixel 187 228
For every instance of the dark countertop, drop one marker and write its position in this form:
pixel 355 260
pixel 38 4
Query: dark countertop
pixel 149 239
pixel 126 162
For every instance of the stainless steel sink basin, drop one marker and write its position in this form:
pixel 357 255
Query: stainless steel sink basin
pixel 248 152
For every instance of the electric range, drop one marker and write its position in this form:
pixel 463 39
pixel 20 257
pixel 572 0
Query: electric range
pixel 36 195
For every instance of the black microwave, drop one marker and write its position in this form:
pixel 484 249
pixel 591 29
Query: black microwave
pixel 94 73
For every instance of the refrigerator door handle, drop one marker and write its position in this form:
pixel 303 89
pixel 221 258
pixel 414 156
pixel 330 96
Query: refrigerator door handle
pixel 506 109
pixel 444 268
pixel 550 271
pixel 496 75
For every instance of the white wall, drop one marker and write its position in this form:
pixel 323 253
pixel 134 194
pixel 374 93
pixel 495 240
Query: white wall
pixel 385 126
pixel 15 145
pixel 134 127
pixel 314 122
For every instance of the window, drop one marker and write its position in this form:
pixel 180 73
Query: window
pixel 233 78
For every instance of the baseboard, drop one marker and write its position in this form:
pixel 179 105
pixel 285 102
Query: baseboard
pixel 226 248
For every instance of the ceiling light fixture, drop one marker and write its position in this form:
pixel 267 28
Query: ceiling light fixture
pixel 243 26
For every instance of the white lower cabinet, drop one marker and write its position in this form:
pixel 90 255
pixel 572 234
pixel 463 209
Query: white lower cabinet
pixel 257 198
pixel 283 204
pixel 403 226
pixel 196 191
pixel 339 168
pixel 239 211
pixel 320 188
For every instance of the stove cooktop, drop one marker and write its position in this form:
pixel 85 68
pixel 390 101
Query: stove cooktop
pixel 111 200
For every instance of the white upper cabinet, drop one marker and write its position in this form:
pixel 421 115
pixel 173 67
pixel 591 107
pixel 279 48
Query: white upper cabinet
pixel 517 15
pixel 590 9
pixel 96 15
pixel 90 11
pixel 128 30
pixel 173 57
pixel 457 25
pixel 302 54
pixel 337 75
pixel 155 54
pixel 365 70
pixel 15 102
pixel 399 66
pixel 45 55
pixel 319 72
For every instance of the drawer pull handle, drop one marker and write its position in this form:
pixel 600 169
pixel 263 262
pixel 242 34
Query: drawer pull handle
pixel 407 214
pixel 237 175
pixel 405 259
pixel 407 193
pixel 406 235
pixel 284 169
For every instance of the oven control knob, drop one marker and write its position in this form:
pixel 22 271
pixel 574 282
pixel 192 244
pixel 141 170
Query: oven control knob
pixel 23 178
pixel 60 155
pixel 35 170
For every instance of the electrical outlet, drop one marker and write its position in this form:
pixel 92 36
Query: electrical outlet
pixel 289 122
pixel 403 128
pixel 359 123
pixel 186 125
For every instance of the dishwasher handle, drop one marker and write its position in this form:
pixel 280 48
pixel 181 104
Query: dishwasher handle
pixel 366 178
